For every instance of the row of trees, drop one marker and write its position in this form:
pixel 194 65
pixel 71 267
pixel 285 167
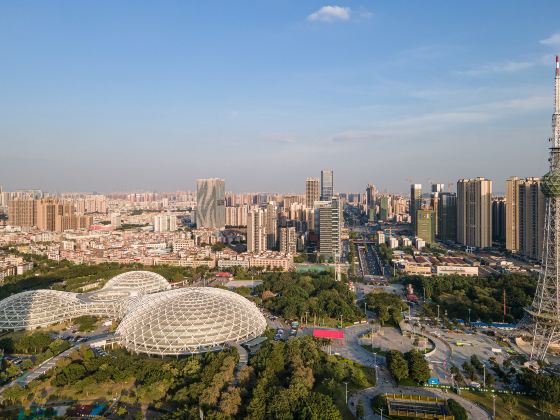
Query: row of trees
pixel 411 365
pixel 543 387
pixel 283 380
pixel 64 275
pixel 482 295
pixel 313 293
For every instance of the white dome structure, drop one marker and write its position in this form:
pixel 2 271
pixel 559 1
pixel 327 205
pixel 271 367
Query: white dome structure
pixel 38 308
pixel 138 281
pixel 190 320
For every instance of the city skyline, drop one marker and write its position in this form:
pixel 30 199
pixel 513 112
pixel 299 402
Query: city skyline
pixel 299 86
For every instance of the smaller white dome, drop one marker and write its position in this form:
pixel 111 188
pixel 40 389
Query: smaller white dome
pixel 141 281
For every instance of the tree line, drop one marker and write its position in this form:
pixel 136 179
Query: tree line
pixel 296 294
pixel 482 295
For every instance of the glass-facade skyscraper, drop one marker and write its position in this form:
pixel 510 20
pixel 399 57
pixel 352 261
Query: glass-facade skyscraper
pixel 211 203
pixel 327 185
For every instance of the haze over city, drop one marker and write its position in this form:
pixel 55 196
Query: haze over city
pixel 106 96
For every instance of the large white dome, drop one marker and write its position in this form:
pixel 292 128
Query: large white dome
pixel 38 308
pixel 190 320
pixel 138 281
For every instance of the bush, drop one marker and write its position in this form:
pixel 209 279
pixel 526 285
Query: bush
pixel 86 323
pixel 456 410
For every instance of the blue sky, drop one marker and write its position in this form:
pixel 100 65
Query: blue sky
pixel 138 95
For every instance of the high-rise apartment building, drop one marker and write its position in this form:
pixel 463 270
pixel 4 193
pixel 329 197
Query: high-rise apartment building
pixel 271 226
pixel 116 220
pixel 447 216
pixel 256 231
pixel 531 218
pixel 165 223
pixel 46 214
pixel 210 203
pixel 415 202
pixel 288 240
pixel 512 214
pixel 312 191
pixel 474 212
pixel 426 225
pixel 21 212
pixel 499 207
pixel 327 184
pixel 330 221
pixel 524 222
pixel 237 215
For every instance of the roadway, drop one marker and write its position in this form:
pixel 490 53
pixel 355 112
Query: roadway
pixel 350 348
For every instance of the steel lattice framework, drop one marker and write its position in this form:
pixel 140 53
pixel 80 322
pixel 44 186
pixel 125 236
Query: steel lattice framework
pixel 41 308
pixel 190 320
pixel 544 313
pixel 38 308
pixel 142 281
pixel 155 320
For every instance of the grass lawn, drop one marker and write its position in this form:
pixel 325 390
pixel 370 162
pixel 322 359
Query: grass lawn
pixel 525 408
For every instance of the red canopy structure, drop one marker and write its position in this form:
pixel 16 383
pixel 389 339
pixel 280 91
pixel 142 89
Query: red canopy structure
pixel 328 333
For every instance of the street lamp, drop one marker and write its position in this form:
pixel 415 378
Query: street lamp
pixel 493 406
pixel 382 414
pixel 346 395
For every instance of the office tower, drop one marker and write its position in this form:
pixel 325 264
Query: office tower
pixel 256 231
pixel 544 313
pixel 415 202
pixel 425 225
pixel 512 214
pixel 499 219
pixel 288 240
pixel 116 220
pixel 447 216
pixel 210 203
pixel 312 191
pixel 21 212
pixel 271 226
pixel 434 205
pixel 165 223
pixel 437 188
pixel 371 196
pixel 474 212
pixel 385 212
pixel 330 228
pixel 531 218
pixel 327 185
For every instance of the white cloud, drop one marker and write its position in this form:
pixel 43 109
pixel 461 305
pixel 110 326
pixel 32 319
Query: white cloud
pixel 441 121
pixel 503 67
pixel 285 138
pixel 553 40
pixel 330 14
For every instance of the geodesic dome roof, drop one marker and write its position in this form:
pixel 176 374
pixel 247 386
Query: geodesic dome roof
pixel 38 308
pixel 190 320
pixel 142 281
